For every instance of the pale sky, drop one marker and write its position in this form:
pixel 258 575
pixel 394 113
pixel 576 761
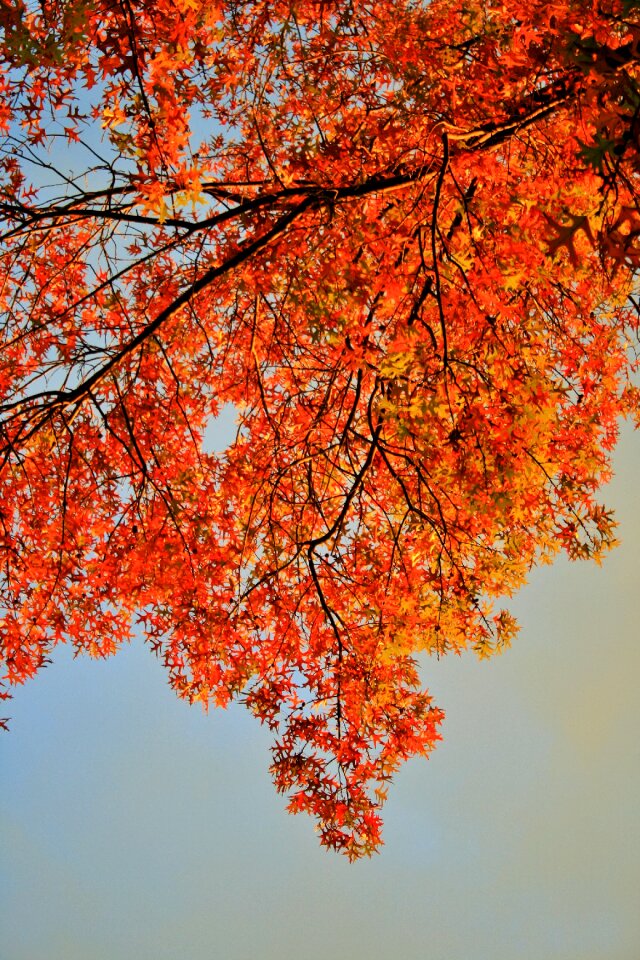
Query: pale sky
pixel 134 827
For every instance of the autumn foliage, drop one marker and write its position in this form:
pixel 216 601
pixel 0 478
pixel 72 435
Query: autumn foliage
pixel 399 239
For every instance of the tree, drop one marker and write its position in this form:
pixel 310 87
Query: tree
pixel 400 238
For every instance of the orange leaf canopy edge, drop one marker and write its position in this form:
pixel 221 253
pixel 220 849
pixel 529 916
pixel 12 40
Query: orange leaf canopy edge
pixel 399 238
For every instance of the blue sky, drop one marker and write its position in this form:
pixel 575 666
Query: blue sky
pixel 134 826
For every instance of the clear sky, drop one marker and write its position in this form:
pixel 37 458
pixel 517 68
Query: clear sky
pixel 133 827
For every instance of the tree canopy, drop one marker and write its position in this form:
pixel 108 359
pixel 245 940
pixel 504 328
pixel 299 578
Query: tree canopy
pixel 399 238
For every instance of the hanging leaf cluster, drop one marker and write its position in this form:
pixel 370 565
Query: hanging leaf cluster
pixel 399 239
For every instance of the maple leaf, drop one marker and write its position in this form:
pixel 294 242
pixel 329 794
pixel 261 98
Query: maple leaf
pixel 335 223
